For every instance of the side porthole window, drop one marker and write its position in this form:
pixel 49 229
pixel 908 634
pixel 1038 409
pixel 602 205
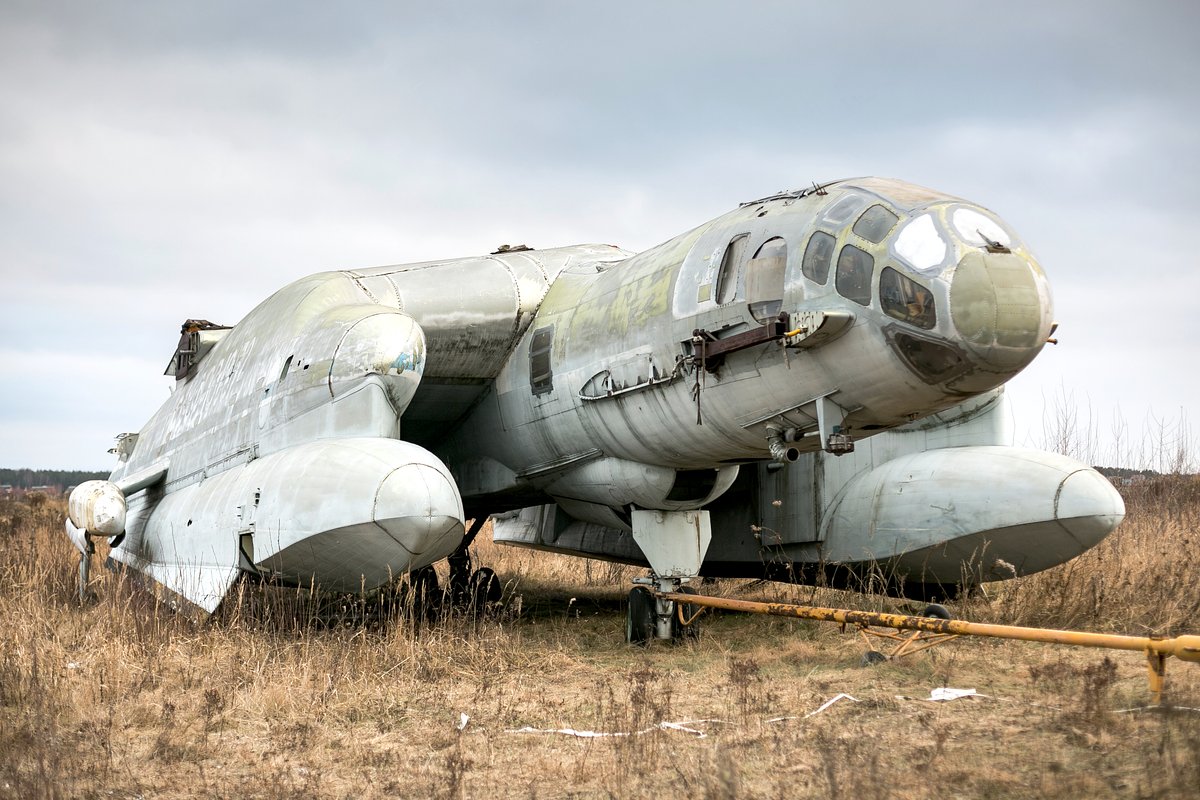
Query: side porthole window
pixel 906 300
pixel 875 223
pixel 541 377
pixel 764 279
pixel 854 274
pixel 817 257
pixel 287 365
pixel 735 252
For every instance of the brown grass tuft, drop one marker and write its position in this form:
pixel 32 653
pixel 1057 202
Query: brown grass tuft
pixel 283 694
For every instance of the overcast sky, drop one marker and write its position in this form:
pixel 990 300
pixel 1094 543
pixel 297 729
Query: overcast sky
pixel 160 161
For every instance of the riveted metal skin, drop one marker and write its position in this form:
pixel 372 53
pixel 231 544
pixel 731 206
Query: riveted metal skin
pixel 344 431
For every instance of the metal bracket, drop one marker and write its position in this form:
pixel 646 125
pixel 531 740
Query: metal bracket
pixel 709 351
pixel 815 328
pixel 674 542
pixel 830 417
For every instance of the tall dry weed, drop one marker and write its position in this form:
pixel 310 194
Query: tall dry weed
pixel 285 693
pixel 1140 580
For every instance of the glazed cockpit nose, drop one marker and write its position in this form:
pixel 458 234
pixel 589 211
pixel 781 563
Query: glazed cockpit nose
pixel 1000 306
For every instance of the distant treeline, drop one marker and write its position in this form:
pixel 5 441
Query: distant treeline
pixel 28 478
pixel 1122 472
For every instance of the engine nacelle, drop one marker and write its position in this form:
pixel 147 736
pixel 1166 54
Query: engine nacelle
pixel 594 491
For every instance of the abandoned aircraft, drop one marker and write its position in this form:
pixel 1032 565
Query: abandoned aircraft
pixel 805 388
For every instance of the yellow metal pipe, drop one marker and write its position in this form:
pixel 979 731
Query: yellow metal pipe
pixel 1185 648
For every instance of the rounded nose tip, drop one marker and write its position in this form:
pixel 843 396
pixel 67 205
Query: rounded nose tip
pixel 419 506
pixel 1000 306
pixel 1088 506
pixel 389 344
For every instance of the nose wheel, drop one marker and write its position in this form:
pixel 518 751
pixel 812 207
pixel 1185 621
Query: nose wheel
pixel 483 590
pixel 674 542
pixel 649 617
pixel 476 591
pixel 684 620
pixel 639 616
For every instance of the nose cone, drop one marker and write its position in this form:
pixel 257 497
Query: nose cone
pixel 389 344
pixel 420 508
pixel 1088 506
pixel 1001 308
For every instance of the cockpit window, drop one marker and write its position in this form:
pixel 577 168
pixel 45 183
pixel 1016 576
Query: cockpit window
pixel 727 280
pixel 906 300
pixel 772 248
pixel 978 230
pixel 764 279
pixel 844 209
pixel 817 257
pixel 932 361
pixel 854 274
pixel 921 245
pixel 875 223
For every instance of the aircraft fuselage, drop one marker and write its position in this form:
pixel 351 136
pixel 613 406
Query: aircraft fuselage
pixel 347 427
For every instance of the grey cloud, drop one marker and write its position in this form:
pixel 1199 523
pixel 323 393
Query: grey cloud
pixel 166 160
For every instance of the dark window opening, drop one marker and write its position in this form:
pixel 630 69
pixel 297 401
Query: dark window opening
pixel 817 257
pixel 727 278
pixel 854 274
pixel 764 279
pixel 875 223
pixel 541 377
pixel 287 365
pixel 692 485
pixel 906 300
pixel 933 362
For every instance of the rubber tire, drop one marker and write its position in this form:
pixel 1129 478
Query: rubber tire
pixel 485 590
pixel 936 611
pixel 426 593
pixel 459 585
pixel 873 657
pixel 639 617
pixel 681 631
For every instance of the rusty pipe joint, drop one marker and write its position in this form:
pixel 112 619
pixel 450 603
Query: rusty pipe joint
pixel 778 442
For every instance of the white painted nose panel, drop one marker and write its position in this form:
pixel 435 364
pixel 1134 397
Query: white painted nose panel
pixel 1088 506
pixel 419 506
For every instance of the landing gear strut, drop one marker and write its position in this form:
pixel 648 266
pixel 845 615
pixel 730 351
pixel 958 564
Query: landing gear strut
pixel 85 566
pixel 478 590
pixel 649 617
pixel 674 542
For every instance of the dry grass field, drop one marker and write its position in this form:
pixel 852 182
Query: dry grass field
pixel 122 698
